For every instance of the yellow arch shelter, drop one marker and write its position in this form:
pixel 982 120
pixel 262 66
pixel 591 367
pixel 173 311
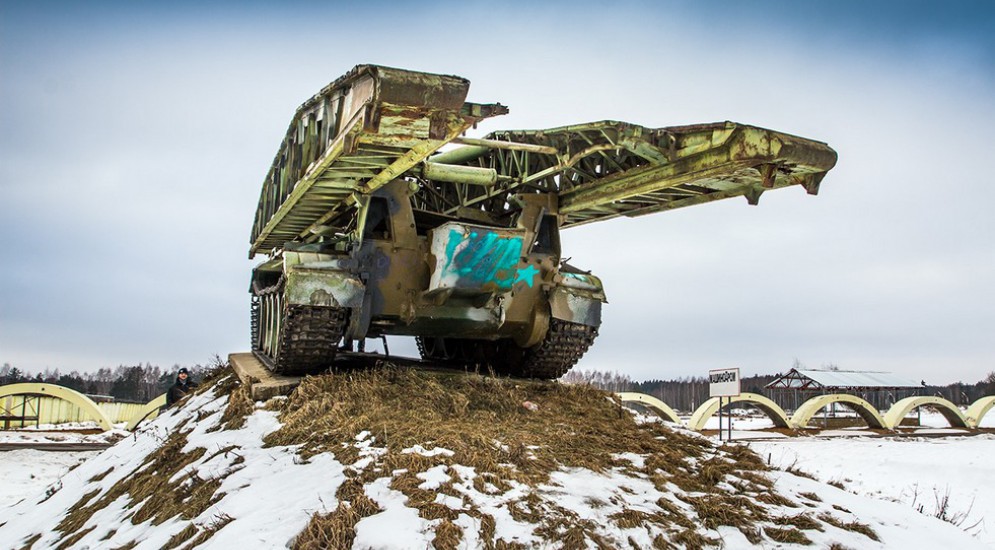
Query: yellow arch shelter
pixel 710 407
pixel 84 403
pixel 651 402
pixel 808 409
pixel 977 411
pixel 149 410
pixel 893 418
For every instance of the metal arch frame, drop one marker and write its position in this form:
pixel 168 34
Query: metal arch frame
pixel 660 407
pixel 866 411
pixel 149 409
pixel 66 394
pixel 711 406
pixel 949 411
pixel 976 412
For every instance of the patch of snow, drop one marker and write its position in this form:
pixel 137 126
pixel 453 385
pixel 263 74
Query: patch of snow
pixel 435 451
pixel 639 461
pixel 434 477
pixel 398 526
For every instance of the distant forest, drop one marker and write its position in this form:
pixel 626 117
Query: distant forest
pixel 142 383
pixel 686 394
pixel 135 384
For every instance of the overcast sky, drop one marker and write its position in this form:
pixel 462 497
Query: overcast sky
pixel 134 139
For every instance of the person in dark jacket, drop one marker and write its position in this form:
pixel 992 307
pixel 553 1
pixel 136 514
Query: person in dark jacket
pixel 184 385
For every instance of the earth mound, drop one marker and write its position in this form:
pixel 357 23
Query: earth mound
pixel 399 458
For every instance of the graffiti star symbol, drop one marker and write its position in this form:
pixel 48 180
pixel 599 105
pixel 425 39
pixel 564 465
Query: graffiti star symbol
pixel 527 275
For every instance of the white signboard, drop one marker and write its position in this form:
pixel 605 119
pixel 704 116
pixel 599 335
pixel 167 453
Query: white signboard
pixel 723 383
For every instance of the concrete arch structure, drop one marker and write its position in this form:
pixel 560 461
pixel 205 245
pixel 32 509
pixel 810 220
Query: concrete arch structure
pixel 893 418
pixel 808 409
pixel 977 411
pixel 651 402
pixel 66 394
pixel 710 407
pixel 150 409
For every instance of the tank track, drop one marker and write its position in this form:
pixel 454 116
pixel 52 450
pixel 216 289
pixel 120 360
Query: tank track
pixel 563 346
pixel 254 322
pixel 565 343
pixel 309 335
pixel 309 338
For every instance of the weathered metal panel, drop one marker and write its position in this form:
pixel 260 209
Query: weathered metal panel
pixel 478 259
pixel 575 306
pixel 323 287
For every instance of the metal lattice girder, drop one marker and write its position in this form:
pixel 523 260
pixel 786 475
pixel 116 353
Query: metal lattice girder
pixel 607 169
pixel 377 124
pixel 360 132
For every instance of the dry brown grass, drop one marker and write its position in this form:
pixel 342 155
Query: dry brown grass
pixel 447 536
pixel 801 521
pixel 854 526
pixel 628 519
pixel 691 539
pixel 574 426
pixel 218 375
pixel 240 406
pixel 102 475
pixel 208 531
pixel 181 537
pixel 482 421
pixel 334 530
pixel 30 542
pixel 811 496
pixel 78 515
pixel 788 535
pixel 69 541
pixel 774 499
pixel 149 488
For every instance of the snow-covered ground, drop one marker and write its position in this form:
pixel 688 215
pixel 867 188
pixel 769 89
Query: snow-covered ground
pixel 28 472
pixel 913 471
pixel 272 494
pixel 59 436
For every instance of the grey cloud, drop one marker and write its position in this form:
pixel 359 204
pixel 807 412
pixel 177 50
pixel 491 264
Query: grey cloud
pixel 131 159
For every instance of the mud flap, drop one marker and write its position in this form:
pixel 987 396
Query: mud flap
pixel 575 306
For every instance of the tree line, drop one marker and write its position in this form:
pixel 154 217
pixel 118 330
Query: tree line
pixel 142 383
pixel 689 392
pixel 134 384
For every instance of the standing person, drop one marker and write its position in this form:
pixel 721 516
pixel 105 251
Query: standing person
pixel 184 385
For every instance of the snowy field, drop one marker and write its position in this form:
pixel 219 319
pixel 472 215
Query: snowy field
pixel 28 472
pixel 902 473
pixel 913 471
pixel 916 471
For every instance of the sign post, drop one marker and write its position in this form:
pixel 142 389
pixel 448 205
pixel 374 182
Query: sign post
pixel 724 383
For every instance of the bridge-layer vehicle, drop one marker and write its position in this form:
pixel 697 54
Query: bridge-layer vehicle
pixel 371 228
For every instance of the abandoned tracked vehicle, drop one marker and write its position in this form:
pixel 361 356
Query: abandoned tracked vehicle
pixel 371 231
